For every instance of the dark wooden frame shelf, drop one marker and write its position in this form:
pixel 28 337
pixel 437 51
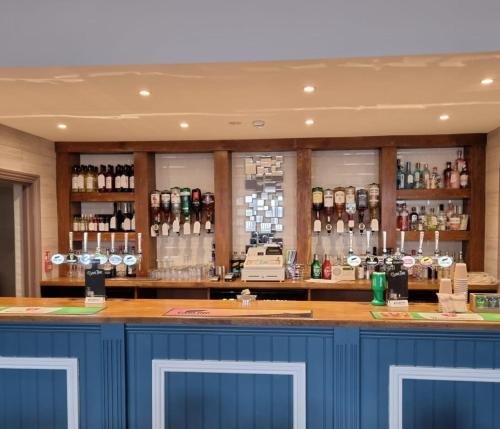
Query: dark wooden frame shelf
pixel 144 163
pixel 433 194
pixel 109 197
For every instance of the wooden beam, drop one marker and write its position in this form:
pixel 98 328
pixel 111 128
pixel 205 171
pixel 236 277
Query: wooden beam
pixel 223 208
pixel 387 182
pixel 304 205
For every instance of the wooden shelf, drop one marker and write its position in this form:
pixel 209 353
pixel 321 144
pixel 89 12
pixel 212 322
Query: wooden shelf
pixel 106 236
pixel 432 194
pixel 109 197
pixel 443 235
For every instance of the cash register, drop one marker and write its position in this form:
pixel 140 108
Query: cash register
pixel 263 264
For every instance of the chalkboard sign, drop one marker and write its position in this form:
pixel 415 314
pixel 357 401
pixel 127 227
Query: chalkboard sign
pixel 397 284
pixel 94 281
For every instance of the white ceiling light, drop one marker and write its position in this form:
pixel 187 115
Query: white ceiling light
pixel 309 89
pixel 444 117
pixel 258 123
pixel 487 81
pixel 184 124
pixel 62 126
pixel 144 93
pixel 309 122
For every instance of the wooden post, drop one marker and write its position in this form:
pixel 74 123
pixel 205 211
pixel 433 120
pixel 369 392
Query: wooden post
pixel 387 182
pixel 304 204
pixel 223 208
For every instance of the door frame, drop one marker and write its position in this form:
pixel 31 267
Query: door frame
pixel 31 224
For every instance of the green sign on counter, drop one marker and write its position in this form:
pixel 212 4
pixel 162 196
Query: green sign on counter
pixel 51 310
pixel 414 315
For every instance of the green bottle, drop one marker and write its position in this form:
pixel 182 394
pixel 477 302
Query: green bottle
pixel 316 268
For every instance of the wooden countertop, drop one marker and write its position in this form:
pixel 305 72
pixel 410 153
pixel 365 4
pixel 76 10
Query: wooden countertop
pixel 324 314
pixel 344 285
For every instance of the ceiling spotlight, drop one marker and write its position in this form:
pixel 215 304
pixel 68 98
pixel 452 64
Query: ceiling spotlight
pixel 258 123
pixel 62 126
pixel 309 122
pixel 309 89
pixel 487 81
pixel 184 124
pixel 144 93
pixel 444 117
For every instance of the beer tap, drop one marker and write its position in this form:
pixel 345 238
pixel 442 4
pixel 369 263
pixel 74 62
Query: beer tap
pixel 371 259
pixel 196 204
pixel 209 205
pixel 352 259
pixel 71 259
pixel 362 203
pixel 373 204
pixel 98 253
pixel 165 212
pixel 339 196
pixel 129 259
pixel 186 209
pixel 402 244
pixel 114 258
pixel 85 258
pixel 175 208
pixel 350 206
pixel 317 197
pixel 328 202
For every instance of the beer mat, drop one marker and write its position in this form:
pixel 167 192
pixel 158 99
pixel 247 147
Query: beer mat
pixel 235 312
pixel 413 315
pixel 323 281
pixel 51 310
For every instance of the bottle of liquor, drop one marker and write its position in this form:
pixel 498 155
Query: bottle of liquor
pixel 209 207
pixel 442 224
pixel 131 179
pixel 408 176
pixel 435 179
pixel 127 217
pixel 401 178
pixel 110 178
pixel 326 268
pixel 417 177
pixel 196 206
pixel 124 179
pixel 154 205
pixel 454 220
pixel 74 178
pixel 454 178
pixel 88 181
pixel 186 209
pixel 460 161
pixel 404 218
pixel 413 219
pixel 432 221
pixel 165 212
pixel 426 177
pixel 81 179
pixel 398 167
pixel 316 268
pixel 118 178
pixel 317 202
pixel 101 179
pixel 399 219
pixel 447 175
pixel 464 176
pixel 422 219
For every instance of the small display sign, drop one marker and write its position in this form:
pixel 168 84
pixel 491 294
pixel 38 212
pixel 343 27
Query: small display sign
pixel 95 281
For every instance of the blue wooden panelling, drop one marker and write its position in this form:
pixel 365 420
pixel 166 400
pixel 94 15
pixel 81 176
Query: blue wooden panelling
pixel 429 405
pixel 243 402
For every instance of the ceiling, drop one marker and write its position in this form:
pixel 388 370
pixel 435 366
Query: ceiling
pixel 364 96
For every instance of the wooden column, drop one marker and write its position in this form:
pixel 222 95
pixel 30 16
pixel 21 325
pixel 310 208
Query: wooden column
pixel 387 182
pixel 476 162
pixel 223 189
pixel 304 204
pixel 145 182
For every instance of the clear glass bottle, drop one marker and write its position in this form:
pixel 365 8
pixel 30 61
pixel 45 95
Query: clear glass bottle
pixel 442 224
pixel 401 178
pixel 413 219
pixel 426 177
pixel 432 220
pixel 408 176
pixel 454 220
pixel 454 178
pixel 101 179
pixel 417 176
pixel 435 179
pixel 422 219
pixel 404 218
pixel 74 178
pixel 110 178
pixel 464 176
pixel 447 176
pixel 460 161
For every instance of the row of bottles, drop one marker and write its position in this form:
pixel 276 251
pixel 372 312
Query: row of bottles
pixel 115 262
pixel 454 176
pixel 431 219
pixel 88 178
pixel 122 220
pixel 345 202
pixel 418 265
pixel 175 207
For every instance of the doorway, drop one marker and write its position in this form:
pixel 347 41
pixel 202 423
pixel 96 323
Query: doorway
pixel 20 233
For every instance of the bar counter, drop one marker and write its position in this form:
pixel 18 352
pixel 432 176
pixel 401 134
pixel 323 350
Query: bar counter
pixel 131 366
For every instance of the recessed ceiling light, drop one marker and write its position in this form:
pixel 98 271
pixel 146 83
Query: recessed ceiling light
pixel 309 89
pixel 258 123
pixel 144 93
pixel 309 122
pixel 444 117
pixel 62 126
pixel 487 81
pixel 184 124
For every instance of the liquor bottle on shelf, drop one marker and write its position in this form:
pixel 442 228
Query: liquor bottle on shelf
pixel 460 161
pixel 441 218
pixel 464 176
pixel 127 217
pixel 165 212
pixel 373 204
pixel 408 176
pixel 447 175
pixel 454 178
pixel 89 179
pixel 124 184
pixel 75 171
pixel 317 201
pixel 186 210
pixel 401 178
pixel 432 221
pixel 362 204
pixel 328 203
pixel 398 169
pixel 454 220
pixel 118 178
pixel 417 177
pixel 426 177
pixel 435 179
pixel 110 178
pixel 422 219
pixel 101 179
pixel 404 218
pixel 175 208
pixel 154 206
pixel 209 207
pixel 340 201
pixel 350 206
pixel 131 179
pixel 196 206
pixel 81 179
pixel 413 219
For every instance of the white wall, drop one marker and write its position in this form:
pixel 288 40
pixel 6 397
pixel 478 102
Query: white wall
pixel 26 153
pixel 492 199
pixel 96 32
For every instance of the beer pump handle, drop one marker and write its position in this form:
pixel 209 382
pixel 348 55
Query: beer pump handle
pixel 368 241
pixel 125 245
pixel 71 241
pixel 85 242
pixel 98 247
pixel 139 243
pixel 112 242
pixel 421 242
pixel 384 242
pixel 351 251
pixel 402 247
pixel 436 243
